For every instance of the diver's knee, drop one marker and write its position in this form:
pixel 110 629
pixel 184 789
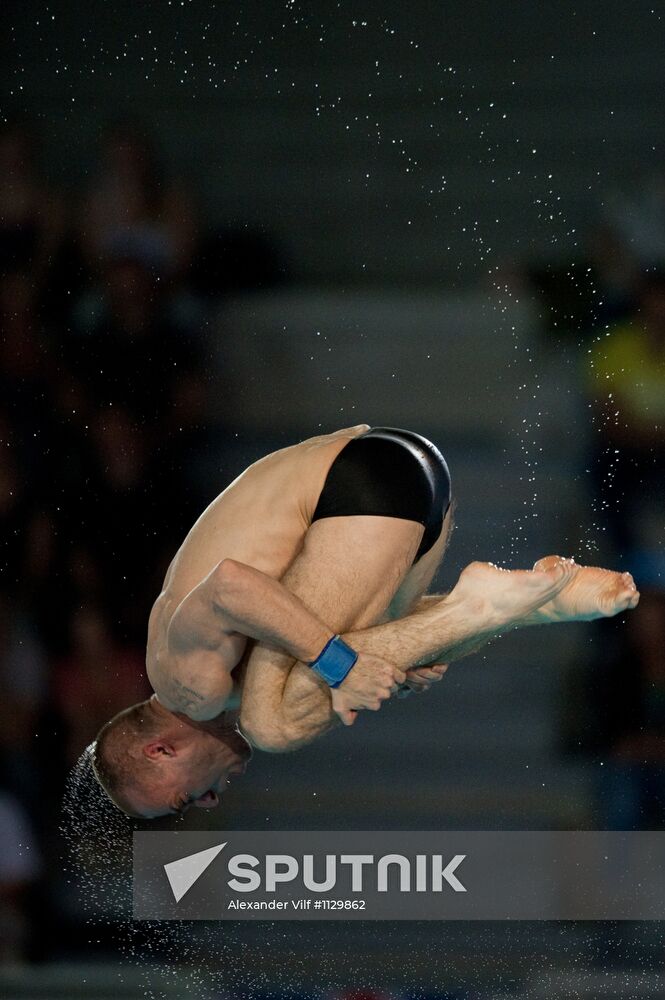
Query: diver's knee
pixel 265 734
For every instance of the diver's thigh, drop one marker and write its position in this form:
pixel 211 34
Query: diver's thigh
pixel 347 574
pixel 420 576
pixel 350 567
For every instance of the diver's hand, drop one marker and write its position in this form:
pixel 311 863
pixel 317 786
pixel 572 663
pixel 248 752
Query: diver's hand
pixel 420 679
pixel 370 682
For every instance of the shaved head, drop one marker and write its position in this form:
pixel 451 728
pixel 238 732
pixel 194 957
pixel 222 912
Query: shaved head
pixel 118 761
pixel 151 761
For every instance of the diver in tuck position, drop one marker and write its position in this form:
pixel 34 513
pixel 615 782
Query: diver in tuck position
pixel 272 602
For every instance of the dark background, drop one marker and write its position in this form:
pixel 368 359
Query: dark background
pixel 225 227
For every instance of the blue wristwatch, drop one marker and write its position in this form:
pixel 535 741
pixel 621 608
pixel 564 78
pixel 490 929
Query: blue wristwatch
pixel 334 661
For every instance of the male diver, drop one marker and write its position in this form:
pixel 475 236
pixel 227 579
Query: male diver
pixel 271 606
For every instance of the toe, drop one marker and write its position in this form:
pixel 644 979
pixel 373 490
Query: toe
pixel 626 597
pixel 547 563
pixel 552 562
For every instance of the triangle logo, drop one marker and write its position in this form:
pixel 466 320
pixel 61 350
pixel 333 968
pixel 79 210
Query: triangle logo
pixel 183 873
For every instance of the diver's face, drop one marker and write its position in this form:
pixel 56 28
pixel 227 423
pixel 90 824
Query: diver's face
pixel 196 775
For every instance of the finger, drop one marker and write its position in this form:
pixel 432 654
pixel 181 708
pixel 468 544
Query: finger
pixel 348 716
pixel 431 674
pixel 399 675
pixel 374 706
pixel 421 674
pixel 427 674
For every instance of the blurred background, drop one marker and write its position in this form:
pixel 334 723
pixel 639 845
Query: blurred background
pixel 228 226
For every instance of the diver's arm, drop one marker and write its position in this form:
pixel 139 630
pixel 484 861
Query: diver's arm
pixel 236 602
pixel 236 598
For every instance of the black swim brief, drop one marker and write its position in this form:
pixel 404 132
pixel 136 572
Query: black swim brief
pixel 393 473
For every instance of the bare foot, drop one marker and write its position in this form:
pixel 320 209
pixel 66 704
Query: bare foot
pixel 502 597
pixel 590 593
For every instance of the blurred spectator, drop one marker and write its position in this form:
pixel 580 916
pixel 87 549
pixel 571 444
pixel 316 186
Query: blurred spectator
pixel 133 210
pixel 626 381
pixel 120 522
pixel 629 239
pixel 31 217
pixel 138 354
pixel 20 867
pixel 630 721
pixel 26 367
pixel 105 460
pixel 604 285
pixel 99 677
pixel 128 345
pixel 15 507
pixel 23 680
pixel 230 260
pixel 614 273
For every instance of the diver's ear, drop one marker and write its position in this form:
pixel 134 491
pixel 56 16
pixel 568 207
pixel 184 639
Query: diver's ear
pixel 158 748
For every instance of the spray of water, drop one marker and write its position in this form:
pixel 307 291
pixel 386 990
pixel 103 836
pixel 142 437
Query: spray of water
pixel 163 958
